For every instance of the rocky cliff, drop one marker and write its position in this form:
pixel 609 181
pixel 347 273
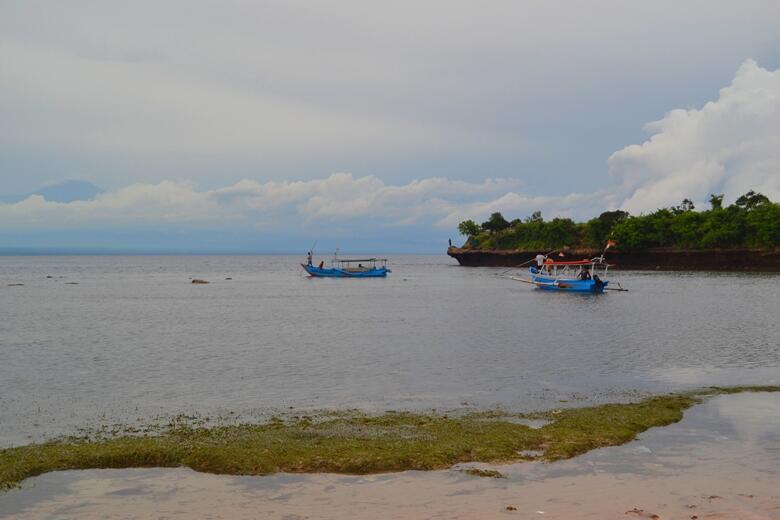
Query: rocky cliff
pixel 656 259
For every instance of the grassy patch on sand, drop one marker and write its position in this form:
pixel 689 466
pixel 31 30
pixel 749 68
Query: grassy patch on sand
pixel 488 473
pixel 356 443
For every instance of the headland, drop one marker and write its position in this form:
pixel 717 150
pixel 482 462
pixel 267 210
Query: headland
pixel 748 260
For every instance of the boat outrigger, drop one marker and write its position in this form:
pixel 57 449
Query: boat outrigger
pixel 575 276
pixel 346 268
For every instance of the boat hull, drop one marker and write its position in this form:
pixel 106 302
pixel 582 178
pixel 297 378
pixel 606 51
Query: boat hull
pixel 335 272
pixel 571 285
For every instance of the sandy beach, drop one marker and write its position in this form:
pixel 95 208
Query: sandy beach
pixel 721 461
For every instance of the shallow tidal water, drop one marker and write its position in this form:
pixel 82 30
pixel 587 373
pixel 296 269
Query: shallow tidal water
pixel 722 461
pixel 129 339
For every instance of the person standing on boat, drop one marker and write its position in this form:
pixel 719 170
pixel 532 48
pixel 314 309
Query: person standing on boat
pixel 540 262
pixel 308 257
pixel 584 274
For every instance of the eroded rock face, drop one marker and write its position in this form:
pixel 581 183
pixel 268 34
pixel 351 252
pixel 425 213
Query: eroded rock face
pixel 654 259
pixel 198 280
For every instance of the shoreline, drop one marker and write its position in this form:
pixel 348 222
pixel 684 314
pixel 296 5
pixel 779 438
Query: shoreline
pixel 721 461
pixel 724 260
pixel 355 443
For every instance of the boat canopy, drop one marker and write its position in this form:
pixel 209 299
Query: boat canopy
pixel 574 262
pixel 362 260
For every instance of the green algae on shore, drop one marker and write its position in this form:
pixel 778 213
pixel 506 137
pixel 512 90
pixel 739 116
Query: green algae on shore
pixel 478 472
pixel 357 443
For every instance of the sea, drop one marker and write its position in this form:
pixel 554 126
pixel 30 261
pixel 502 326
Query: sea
pixel 90 342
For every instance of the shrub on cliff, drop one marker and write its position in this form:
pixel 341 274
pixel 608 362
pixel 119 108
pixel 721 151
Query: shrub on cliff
pixel 752 221
pixel 597 230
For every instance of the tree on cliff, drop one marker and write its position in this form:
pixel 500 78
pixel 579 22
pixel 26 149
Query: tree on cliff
pixel 716 201
pixel 536 216
pixel 686 205
pixel 495 223
pixel 468 228
pixel 751 200
pixel 597 230
pixel 752 221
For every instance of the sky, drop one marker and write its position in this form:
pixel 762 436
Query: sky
pixel 263 126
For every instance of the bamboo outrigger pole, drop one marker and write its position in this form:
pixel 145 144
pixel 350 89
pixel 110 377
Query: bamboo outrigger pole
pixel 525 263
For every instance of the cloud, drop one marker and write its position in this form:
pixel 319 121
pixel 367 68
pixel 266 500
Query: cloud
pixel 729 146
pixel 214 92
pixel 360 204
pixel 339 197
pixel 145 107
pixel 138 205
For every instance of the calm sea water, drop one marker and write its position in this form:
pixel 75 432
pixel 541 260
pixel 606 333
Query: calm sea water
pixel 130 338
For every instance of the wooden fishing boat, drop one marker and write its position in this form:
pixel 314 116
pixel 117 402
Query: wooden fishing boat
pixel 350 268
pixel 576 276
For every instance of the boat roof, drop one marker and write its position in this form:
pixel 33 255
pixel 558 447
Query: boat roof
pixel 574 262
pixel 362 260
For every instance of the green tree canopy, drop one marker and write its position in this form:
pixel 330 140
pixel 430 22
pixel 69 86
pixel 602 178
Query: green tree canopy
pixel 468 228
pixel 716 201
pixel 495 223
pixel 751 200
pixel 753 221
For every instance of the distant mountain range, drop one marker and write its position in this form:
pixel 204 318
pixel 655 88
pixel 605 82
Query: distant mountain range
pixel 68 191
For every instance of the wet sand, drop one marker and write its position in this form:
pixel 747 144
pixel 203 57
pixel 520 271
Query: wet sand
pixel 721 461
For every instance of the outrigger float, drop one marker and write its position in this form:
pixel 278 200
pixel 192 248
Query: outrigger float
pixel 346 268
pixel 572 276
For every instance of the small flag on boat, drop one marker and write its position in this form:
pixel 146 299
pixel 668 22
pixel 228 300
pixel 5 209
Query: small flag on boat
pixel 610 243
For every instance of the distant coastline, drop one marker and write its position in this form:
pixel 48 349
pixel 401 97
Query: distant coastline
pixel 736 260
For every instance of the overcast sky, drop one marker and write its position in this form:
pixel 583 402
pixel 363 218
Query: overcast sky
pixel 376 123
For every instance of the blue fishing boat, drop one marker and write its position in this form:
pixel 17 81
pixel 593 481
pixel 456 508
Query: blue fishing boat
pixel 577 276
pixel 349 268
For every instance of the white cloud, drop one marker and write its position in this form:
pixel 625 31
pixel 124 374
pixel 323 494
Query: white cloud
pixel 138 204
pixel 336 198
pixel 729 146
